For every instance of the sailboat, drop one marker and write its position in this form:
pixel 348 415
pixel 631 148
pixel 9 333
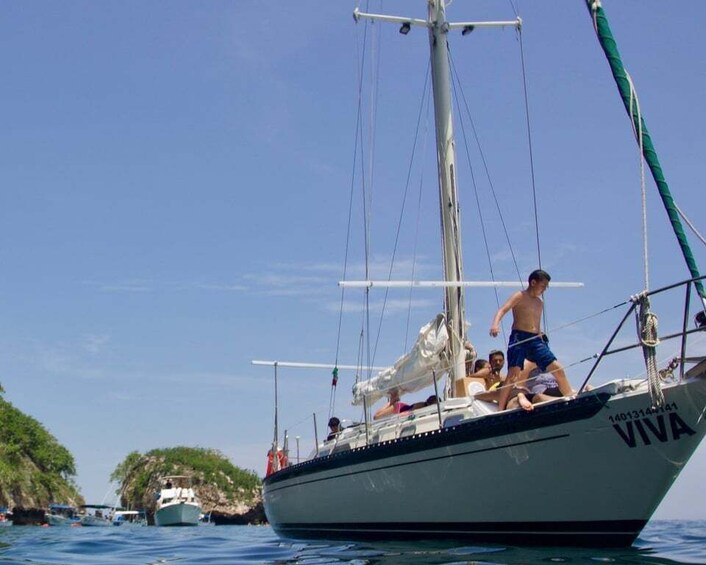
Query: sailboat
pixel 459 468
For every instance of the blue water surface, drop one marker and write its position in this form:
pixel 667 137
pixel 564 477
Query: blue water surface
pixel 660 542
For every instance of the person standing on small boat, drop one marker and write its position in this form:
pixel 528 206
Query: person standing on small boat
pixel 527 340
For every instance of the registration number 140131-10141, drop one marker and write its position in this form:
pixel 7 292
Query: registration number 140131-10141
pixel 649 425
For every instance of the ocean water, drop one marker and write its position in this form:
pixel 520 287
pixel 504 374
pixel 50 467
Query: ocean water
pixel 661 542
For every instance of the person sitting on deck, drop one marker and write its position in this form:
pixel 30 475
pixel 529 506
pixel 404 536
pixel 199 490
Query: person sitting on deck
pixel 486 376
pixel 334 425
pixel 394 406
pixel 494 377
pixel 431 400
pixel 535 387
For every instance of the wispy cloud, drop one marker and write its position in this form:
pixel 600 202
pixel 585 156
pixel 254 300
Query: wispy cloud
pixel 207 286
pixel 68 360
pixel 391 306
pixel 558 254
pixel 88 357
pixel 214 379
pixel 290 284
pixel 145 286
pixel 125 287
pixel 317 279
pixel 328 268
pixel 93 343
pixel 554 256
pixel 319 282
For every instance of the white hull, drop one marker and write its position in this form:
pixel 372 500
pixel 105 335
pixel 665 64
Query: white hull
pixel 129 518
pixel 178 514
pixel 56 520
pixel 95 521
pixel 585 472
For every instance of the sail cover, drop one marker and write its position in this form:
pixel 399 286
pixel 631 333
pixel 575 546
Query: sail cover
pixel 413 371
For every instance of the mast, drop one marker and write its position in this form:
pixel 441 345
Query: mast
pixel 438 28
pixel 448 195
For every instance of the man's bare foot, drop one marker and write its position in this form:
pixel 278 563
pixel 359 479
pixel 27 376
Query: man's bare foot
pixel 525 403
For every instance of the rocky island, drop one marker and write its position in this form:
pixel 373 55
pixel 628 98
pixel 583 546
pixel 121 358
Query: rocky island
pixel 228 494
pixel 35 470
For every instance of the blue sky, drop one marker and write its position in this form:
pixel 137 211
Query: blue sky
pixel 175 184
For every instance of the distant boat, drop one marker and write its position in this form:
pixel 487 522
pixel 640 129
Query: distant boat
pixel 5 517
pixel 62 515
pixel 177 505
pixel 129 518
pixel 95 515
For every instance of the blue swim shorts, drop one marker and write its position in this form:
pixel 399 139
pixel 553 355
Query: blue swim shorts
pixel 526 345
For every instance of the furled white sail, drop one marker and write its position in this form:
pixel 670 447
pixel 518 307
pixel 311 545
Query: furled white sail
pixel 413 371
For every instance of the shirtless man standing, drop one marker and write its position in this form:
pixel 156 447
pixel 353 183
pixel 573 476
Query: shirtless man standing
pixel 526 339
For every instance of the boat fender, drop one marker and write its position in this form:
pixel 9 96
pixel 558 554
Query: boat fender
pixel 281 460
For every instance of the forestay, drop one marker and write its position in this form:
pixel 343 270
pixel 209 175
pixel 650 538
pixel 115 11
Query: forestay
pixel 414 370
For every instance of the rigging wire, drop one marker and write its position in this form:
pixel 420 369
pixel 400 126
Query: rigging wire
pixel 418 223
pixel 515 9
pixel 361 341
pixel 579 320
pixel 458 88
pixel 545 318
pixel 423 102
pixel 529 146
pixel 298 423
pixel 475 184
pixel 486 168
pixel 357 143
pixel 688 223
pixel 635 110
